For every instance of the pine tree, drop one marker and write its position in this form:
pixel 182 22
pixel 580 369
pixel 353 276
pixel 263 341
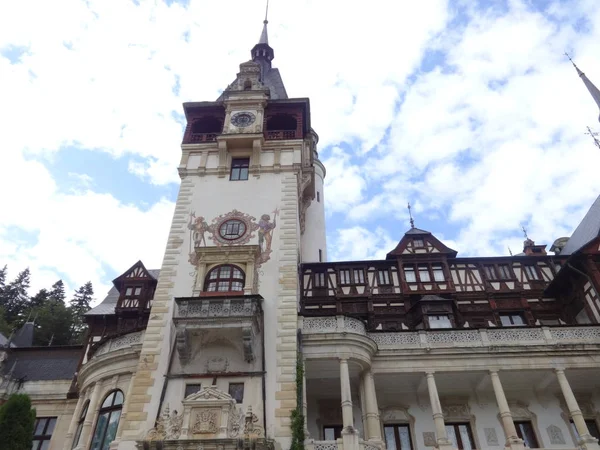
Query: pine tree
pixel 58 291
pixel 14 298
pixel 3 280
pixel 17 420
pixel 40 298
pixel 79 305
pixel 53 324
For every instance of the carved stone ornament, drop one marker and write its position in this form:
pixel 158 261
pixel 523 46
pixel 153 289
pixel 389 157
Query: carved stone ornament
pixel 429 439
pixel 205 422
pixel 395 414
pixel 217 365
pixel 491 438
pixel 168 426
pixel 251 426
pixel 556 436
pixel 457 411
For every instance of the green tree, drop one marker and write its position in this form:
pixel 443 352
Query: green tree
pixel 79 305
pixel 3 280
pixel 14 298
pixel 58 291
pixel 17 419
pixel 53 323
pixel 40 298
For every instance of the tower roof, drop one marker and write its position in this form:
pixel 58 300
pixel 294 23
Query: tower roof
pixel 264 37
pixel 594 91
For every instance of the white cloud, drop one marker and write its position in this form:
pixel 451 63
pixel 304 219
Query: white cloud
pixel 359 243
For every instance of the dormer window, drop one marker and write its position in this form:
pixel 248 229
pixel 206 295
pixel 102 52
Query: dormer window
pixel 439 321
pixel 418 242
pixel 132 297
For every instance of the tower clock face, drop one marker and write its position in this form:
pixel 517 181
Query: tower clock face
pixel 243 119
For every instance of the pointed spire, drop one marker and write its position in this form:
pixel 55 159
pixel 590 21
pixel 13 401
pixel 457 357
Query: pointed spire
pixel 588 84
pixel 412 222
pixel 264 37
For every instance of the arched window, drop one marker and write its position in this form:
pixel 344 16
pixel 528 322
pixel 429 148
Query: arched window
pixel 77 435
pixel 225 278
pixel 108 421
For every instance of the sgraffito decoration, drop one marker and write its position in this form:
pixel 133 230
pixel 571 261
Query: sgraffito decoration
pixel 233 228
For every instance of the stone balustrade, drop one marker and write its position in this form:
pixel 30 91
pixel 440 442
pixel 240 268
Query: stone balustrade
pixel 488 337
pixel 217 307
pixel 119 342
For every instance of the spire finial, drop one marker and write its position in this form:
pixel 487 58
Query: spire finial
pixel 579 72
pixel 412 222
pixel 266 13
pixel 510 251
pixel 524 231
pixel 264 38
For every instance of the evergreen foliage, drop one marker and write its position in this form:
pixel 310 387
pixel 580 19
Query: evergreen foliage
pixel 56 323
pixel 17 420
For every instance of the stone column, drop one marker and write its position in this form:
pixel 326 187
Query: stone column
pixel 438 417
pixel 347 416
pixel 512 439
pixel 90 417
pixel 586 440
pixel 349 434
pixel 373 425
pixel 74 422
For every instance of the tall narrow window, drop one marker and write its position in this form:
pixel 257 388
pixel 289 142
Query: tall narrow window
pixel 531 272
pixel 345 276
pixel 319 279
pixel 108 421
pixel 332 432
pixel 490 272
pixel 397 437
pixel 383 277
pixel 318 197
pixel 80 421
pixel 460 435
pixel 192 389
pixel 504 272
pixel 320 255
pixel 239 169
pixel 409 274
pixel 424 273
pixel 438 272
pixel 525 432
pixel 42 432
pixel 592 427
pixel 132 297
pixel 225 278
pixel 359 276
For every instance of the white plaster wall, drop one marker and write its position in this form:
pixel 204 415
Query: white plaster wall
pixel 314 238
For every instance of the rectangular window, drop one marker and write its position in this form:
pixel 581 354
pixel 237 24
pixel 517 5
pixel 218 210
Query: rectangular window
pixel 438 272
pixel 460 435
pixel 525 432
pixel 359 276
pixel 192 389
pixel 409 274
pixel 43 428
pixel 512 320
pixel 236 390
pixel 345 276
pixel 320 255
pixel 383 277
pixel 318 197
pixel 319 280
pixel 440 321
pixel 239 169
pixel 397 437
pixel 531 272
pixel 504 272
pixel 424 273
pixel 332 432
pixel 490 272
pixel 418 242
pixel 592 427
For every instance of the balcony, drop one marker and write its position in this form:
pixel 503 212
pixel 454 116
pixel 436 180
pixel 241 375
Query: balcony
pixel 115 343
pixel 195 138
pixel 281 134
pixel 237 315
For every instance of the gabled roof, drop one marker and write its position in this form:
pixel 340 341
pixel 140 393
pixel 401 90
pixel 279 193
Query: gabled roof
pixel 586 231
pixel 136 272
pixel 107 306
pixel 431 245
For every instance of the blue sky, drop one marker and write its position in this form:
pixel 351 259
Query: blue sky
pixel 468 110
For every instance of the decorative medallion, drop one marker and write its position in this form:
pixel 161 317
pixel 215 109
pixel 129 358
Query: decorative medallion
pixel 233 228
pixel 205 422
pixel 243 119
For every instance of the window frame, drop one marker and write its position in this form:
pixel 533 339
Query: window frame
pixel 188 387
pixel 208 281
pixel 410 269
pixel 418 242
pixel 520 434
pixel 447 316
pixel 237 384
pixel 109 410
pixel 594 424
pixel 437 268
pixel 531 272
pixel 337 431
pixel 82 414
pixel 398 442
pixel 239 164
pixel 39 439
pixel 319 280
pixel 349 276
pixel 459 442
pixel 511 315
pixel 386 275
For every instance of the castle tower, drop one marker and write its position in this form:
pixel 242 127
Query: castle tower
pixel 220 347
